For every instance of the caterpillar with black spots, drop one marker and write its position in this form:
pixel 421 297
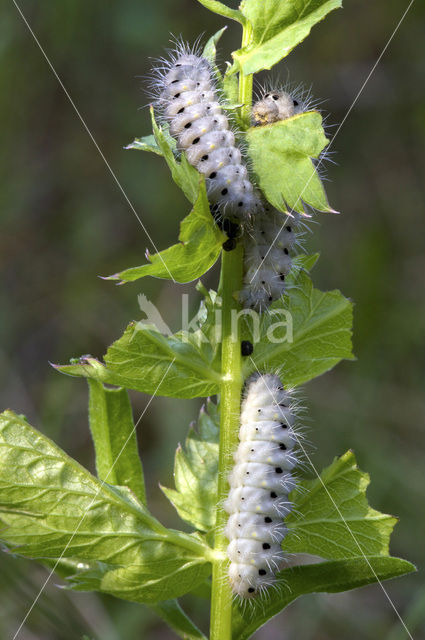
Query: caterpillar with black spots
pixel 279 104
pixel 189 101
pixel 272 236
pixel 260 483
pixel 267 258
pixel 274 106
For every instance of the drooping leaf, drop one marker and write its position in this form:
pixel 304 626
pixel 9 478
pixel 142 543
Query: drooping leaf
pixel 170 611
pixel 325 577
pixel 196 472
pixel 332 518
pixel 51 507
pixel 223 10
pixel 199 246
pixel 114 436
pixel 281 156
pixel 303 335
pixel 277 27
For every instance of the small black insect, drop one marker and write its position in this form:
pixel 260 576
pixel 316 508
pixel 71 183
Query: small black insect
pixel 247 348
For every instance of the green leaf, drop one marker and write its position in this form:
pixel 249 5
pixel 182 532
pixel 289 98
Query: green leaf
pixel 223 10
pixel 183 365
pixel 164 574
pixel 142 356
pixel 195 472
pixel 147 143
pixel 210 50
pixel 171 612
pixel 281 158
pixel 51 507
pixel 199 247
pixel 325 577
pixel 302 261
pixel 277 27
pixel 303 335
pixel 200 240
pixel 161 143
pixel 332 518
pixel 114 436
pixel 183 174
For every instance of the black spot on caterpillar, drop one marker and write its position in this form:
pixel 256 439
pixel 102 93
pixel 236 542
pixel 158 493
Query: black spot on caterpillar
pixel 267 260
pixel 188 100
pixel 260 483
pixel 280 104
pixel 273 107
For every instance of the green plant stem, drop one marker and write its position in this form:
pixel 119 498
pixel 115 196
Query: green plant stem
pixel 231 387
pixel 245 82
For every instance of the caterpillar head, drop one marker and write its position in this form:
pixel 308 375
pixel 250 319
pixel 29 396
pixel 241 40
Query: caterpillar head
pixel 274 106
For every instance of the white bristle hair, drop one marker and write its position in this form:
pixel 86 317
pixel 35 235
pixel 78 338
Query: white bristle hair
pixel 188 100
pixel 260 483
pixel 267 258
pixel 276 103
pixel 273 235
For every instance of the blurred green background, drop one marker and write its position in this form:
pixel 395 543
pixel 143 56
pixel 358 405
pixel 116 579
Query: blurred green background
pixel 64 222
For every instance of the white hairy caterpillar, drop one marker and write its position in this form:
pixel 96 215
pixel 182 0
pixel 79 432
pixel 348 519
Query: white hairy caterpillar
pixel 274 106
pixel 267 259
pixel 280 104
pixel 260 483
pixel 189 102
